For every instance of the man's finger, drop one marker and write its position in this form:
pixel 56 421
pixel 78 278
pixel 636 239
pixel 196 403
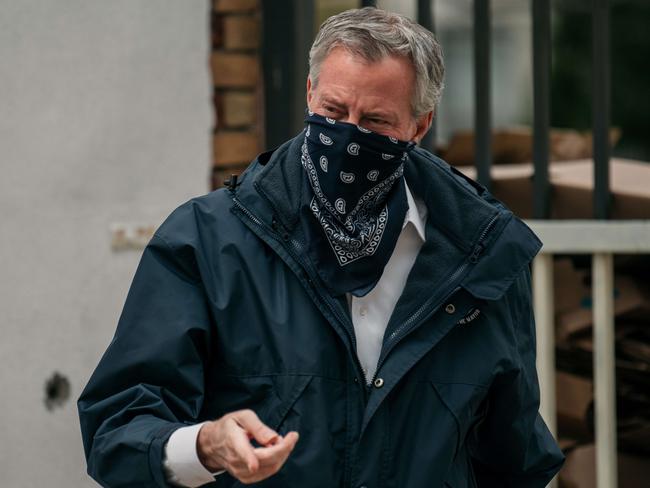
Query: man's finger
pixel 243 448
pixel 251 423
pixel 277 452
pixel 271 458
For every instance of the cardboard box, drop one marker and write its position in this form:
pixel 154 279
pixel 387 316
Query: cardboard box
pixel 512 184
pixel 570 285
pixel 633 342
pixel 574 395
pixel 566 443
pixel 572 188
pixel 579 469
pixel 631 299
pixel 514 145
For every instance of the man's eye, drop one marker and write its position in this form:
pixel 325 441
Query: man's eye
pixel 377 121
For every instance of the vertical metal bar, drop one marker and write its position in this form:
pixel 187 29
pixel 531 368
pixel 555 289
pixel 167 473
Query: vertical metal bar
pixel 601 106
pixel 545 328
pixel 304 25
pixel 482 121
pixel 541 106
pixel 279 69
pixel 604 370
pixel 426 20
pixel 368 3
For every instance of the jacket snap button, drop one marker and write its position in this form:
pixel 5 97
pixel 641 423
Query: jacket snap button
pixel 450 308
pixel 379 382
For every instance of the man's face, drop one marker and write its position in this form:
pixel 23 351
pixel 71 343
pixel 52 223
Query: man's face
pixel 376 95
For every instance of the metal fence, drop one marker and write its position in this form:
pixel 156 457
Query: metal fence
pixel 602 240
pixel 541 42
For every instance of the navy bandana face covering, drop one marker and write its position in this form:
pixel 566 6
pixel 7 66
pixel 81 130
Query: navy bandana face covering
pixel 355 210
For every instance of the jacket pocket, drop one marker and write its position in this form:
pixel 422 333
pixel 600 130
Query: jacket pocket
pixel 272 398
pixel 466 405
pixel 465 402
pixel 288 390
pixel 461 473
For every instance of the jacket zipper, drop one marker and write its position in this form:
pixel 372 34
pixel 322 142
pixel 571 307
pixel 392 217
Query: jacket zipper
pixel 298 248
pixel 403 330
pixel 295 251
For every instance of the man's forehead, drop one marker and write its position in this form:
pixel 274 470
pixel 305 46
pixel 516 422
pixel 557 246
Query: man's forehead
pixel 340 65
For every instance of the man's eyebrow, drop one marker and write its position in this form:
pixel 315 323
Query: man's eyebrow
pixel 332 100
pixel 388 116
pixel 380 114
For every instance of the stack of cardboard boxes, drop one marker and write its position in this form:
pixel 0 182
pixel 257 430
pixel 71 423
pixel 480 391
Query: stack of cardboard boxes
pixel 571 178
pixel 575 395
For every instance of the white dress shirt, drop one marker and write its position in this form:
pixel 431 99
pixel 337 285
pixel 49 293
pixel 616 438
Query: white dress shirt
pixel 370 315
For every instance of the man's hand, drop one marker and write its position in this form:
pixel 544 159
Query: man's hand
pixel 225 444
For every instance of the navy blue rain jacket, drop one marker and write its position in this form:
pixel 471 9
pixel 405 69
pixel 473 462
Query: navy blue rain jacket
pixel 225 313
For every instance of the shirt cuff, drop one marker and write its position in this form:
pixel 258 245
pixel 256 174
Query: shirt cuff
pixel 182 462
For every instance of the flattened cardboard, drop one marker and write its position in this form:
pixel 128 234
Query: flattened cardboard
pixel 579 469
pixel 570 285
pixel 574 395
pixel 630 299
pixel 572 188
pixel 514 145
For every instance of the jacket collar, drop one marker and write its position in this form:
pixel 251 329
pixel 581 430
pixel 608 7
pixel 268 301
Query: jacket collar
pixel 460 214
pixel 416 214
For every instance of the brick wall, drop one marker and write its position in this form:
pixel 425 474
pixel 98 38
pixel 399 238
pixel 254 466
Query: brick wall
pixel 237 79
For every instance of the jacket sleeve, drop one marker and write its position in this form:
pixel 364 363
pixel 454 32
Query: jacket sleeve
pixel 512 447
pixel 149 381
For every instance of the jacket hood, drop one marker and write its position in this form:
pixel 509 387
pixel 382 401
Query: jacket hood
pixel 464 222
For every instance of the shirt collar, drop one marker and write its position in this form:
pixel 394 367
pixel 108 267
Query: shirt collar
pixel 416 213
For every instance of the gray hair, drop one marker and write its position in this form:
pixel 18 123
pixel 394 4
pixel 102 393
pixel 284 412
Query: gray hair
pixel 375 34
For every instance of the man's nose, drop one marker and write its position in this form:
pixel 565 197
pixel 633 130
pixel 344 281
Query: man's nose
pixel 352 119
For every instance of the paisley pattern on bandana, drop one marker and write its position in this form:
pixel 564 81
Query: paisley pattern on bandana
pixel 352 182
pixel 359 234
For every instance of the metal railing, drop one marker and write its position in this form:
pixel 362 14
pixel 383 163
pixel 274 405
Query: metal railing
pixel 602 240
pixel 541 43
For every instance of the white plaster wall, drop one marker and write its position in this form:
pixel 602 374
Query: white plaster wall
pixel 104 117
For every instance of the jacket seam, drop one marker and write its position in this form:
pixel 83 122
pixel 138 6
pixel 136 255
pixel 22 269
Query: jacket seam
pixel 194 280
pixel 264 375
pixel 478 385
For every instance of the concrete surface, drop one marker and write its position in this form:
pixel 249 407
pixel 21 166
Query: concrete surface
pixel 104 117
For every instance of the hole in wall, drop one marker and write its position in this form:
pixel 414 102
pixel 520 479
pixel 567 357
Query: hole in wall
pixel 57 391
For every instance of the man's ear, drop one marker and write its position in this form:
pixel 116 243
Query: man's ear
pixel 422 125
pixel 310 94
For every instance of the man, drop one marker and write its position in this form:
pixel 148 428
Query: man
pixel 350 312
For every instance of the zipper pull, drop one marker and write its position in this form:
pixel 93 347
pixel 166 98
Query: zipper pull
pixel 475 254
pixel 231 183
